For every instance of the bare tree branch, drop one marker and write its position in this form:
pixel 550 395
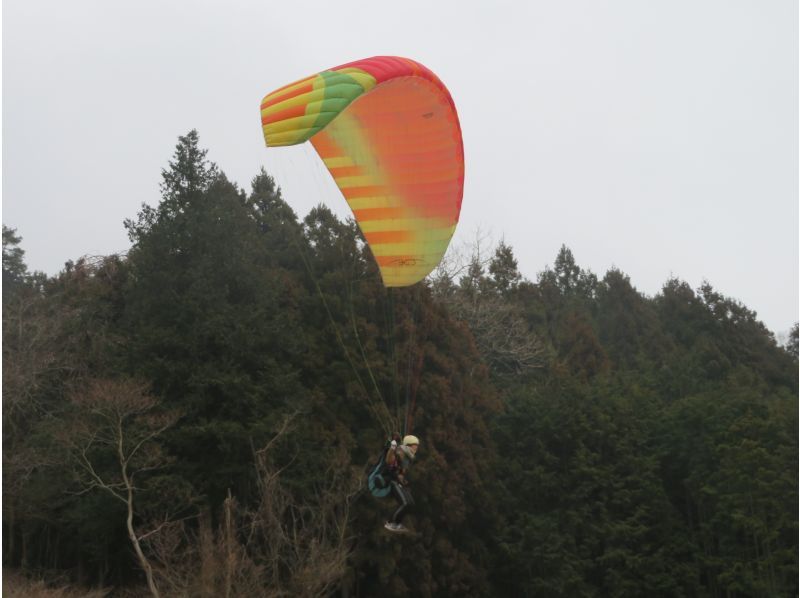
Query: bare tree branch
pixel 118 416
pixel 283 546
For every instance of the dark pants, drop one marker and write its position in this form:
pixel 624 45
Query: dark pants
pixel 404 499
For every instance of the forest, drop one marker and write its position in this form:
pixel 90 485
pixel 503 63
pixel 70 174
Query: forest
pixel 196 417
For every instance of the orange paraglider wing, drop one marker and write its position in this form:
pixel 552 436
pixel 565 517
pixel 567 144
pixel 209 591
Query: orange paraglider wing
pixel 387 130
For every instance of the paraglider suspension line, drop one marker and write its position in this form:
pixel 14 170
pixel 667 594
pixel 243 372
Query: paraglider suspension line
pixel 381 415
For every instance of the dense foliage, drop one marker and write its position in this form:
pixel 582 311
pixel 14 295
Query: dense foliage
pixel 578 437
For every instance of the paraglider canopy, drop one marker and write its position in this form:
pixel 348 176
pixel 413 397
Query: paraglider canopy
pixel 387 130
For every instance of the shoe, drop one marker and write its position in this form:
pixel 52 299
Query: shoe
pixel 395 527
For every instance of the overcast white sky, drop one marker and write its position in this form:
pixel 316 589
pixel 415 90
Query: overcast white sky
pixel 660 137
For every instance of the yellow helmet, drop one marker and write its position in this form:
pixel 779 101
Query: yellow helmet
pixel 410 440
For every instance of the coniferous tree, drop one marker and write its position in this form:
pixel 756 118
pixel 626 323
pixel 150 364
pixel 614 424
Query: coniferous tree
pixel 14 268
pixel 210 320
pixel 792 343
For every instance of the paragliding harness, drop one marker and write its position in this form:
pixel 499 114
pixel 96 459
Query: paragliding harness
pixel 381 474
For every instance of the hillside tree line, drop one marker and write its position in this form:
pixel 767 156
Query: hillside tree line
pixel 195 417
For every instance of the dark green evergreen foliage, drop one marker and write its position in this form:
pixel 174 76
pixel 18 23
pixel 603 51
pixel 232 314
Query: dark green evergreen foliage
pixel 569 279
pixel 281 231
pixel 604 477
pixel 589 513
pixel 792 343
pixel 503 269
pixel 578 437
pixel 732 450
pixel 212 321
pixel 14 268
pixel 627 324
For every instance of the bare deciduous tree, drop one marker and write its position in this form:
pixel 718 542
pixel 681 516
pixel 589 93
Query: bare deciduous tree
pixel 284 546
pixel 119 418
pixel 457 261
pixel 31 353
pixel 501 333
pixel 304 543
pixel 504 338
pixel 34 361
pixel 51 338
pixel 40 340
pixel 203 562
